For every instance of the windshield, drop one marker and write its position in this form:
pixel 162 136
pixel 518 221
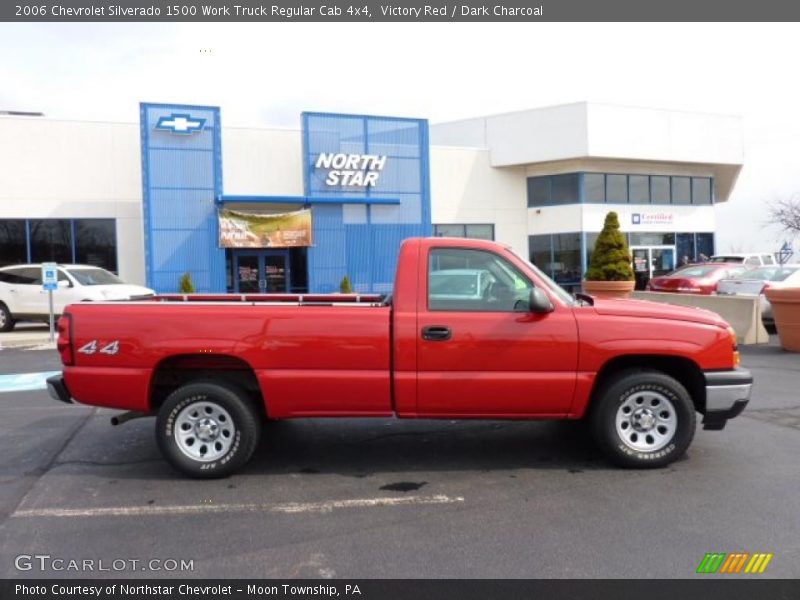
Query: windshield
pixel 694 272
pixel 94 276
pixel 726 259
pixel 562 294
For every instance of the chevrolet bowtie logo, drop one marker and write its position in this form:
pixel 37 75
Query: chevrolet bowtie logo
pixel 180 123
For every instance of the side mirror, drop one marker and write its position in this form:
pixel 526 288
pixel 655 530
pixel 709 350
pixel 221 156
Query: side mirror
pixel 63 283
pixel 539 302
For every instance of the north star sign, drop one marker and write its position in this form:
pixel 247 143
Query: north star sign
pixel 354 170
pixel 180 123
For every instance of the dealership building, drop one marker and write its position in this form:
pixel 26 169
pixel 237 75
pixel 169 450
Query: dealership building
pixel 249 209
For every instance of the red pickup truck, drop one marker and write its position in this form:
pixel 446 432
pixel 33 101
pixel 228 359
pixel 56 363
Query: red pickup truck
pixel 472 331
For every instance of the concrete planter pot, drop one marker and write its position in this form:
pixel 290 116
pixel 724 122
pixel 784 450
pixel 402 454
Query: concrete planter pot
pixel 786 310
pixel 609 289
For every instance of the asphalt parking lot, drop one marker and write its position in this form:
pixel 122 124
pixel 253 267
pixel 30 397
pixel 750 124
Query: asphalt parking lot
pixel 387 499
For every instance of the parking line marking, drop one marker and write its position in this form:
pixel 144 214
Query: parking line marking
pixel 286 507
pixel 25 382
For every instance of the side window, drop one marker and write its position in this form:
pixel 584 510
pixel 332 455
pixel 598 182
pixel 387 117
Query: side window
pixel 752 261
pixel 475 280
pixel 31 276
pixel 768 260
pixel 63 277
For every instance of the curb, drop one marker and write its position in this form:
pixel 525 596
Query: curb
pixel 33 343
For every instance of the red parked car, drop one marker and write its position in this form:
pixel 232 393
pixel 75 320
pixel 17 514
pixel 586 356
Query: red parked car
pixel 701 278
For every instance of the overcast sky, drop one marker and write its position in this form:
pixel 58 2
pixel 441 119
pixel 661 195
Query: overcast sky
pixel 266 74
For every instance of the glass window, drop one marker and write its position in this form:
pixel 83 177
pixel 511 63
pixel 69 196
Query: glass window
pixel 488 284
pixel 94 277
pixel 705 245
pixel 14 276
pixel 591 240
pixel 480 232
pixel 566 265
pixel 51 240
pixel 594 187
pixel 538 191
pixel 701 190
pixel 13 249
pixel 659 190
pixel 639 189
pixel 684 247
pixel 565 189
pixel 96 243
pixel 617 188
pixel 30 275
pixel 681 193
pixel 448 230
pixel 539 251
pixel 652 239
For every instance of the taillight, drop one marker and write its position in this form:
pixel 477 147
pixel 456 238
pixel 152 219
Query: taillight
pixel 64 343
pixel 766 287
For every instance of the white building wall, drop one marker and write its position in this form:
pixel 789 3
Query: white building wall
pixel 555 219
pixel 258 162
pixel 75 169
pixel 466 189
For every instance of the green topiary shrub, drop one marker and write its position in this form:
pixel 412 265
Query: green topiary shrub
pixel 186 285
pixel 345 287
pixel 611 259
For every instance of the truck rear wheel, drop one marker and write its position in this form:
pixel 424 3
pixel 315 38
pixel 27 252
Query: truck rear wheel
pixel 643 419
pixel 207 429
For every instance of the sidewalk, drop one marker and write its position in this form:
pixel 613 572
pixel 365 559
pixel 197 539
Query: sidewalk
pixel 27 334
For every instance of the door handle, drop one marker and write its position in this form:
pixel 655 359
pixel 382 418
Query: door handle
pixel 436 333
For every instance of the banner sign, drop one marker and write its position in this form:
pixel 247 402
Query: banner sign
pixel 239 229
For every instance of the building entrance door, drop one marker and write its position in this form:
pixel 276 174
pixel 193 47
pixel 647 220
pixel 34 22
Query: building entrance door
pixel 651 261
pixel 261 271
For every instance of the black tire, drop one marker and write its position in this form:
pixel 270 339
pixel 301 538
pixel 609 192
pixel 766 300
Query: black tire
pixel 634 412
pixel 225 454
pixel 7 321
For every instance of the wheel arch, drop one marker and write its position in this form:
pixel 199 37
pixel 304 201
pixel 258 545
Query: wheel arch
pixel 178 370
pixel 683 369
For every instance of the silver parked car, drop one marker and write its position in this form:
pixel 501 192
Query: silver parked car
pixel 755 281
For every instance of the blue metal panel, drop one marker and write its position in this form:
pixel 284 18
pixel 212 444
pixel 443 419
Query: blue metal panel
pixel 338 199
pixel 360 242
pixel 181 179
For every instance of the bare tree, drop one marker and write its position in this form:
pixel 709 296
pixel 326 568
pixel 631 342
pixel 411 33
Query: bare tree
pixel 785 213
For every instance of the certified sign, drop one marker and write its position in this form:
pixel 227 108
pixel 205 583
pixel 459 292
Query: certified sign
pixel 49 276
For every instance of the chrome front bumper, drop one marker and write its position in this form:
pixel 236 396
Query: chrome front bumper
pixel 727 395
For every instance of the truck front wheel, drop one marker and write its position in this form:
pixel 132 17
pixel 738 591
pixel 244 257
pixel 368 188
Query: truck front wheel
pixel 207 429
pixel 643 419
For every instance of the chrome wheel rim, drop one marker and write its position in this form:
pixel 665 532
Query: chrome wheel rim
pixel 204 431
pixel 646 421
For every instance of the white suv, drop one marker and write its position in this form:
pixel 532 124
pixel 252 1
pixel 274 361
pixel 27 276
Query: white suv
pixel 22 297
pixel 748 260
